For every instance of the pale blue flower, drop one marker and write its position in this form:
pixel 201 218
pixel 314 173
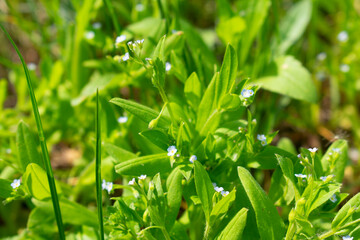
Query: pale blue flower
pixel 333 198
pixel 142 177
pixel 261 137
pixel 31 66
pixel 123 119
pixel 193 158
pixel 300 175
pixel 299 155
pixel 347 237
pixel 167 66
pixel 120 39
pixel 126 57
pixel 246 93
pixel 139 7
pixel 313 150
pixel 108 186
pixel 132 182
pixel 344 68
pixel 323 178
pixel 171 151
pixel 224 193
pixel 219 189
pixel 15 184
pixel 89 35
pixel 96 25
pixel 343 36
pixel 321 56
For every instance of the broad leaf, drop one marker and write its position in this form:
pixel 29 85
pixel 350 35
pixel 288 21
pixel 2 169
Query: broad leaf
pixel 235 228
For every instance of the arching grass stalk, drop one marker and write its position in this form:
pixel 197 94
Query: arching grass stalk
pixel 98 167
pixel 50 175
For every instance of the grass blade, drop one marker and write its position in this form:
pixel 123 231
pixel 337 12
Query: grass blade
pixel 98 167
pixel 49 172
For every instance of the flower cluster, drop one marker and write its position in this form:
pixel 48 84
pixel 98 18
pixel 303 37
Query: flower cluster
pixel 220 190
pixel 108 186
pixel 262 139
pixel 246 93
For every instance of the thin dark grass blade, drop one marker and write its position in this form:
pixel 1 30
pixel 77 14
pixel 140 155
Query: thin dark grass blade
pixel 98 167
pixel 50 175
pixel 109 5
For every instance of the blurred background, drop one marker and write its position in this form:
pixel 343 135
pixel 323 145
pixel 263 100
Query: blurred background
pixel 68 46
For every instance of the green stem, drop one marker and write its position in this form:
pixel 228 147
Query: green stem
pixel 166 101
pixel 98 167
pixel 50 175
pixel 113 17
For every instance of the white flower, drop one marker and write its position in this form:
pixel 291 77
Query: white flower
pixel 193 158
pixel 261 137
pixel 139 7
pixel 15 184
pixel 89 35
pixel 224 193
pixel 132 181
pixel 347 237
pixel 336 150
pixel 299 175
pixel 344 68
pixel 8 151
pixel 321 56
pixel 140 41
pixel 126 57
pixel 96 25
pixel 263 143
pixel 120 39
pixel 108 186
pixel 313 149
pixel 299 155
pixel 171 151
pixel 142 177
pixel 323 178
pixel 122 119
pixel 219 189
pixel 167 66
pixel 333 198
pixel 31 66
pixel 343 36
pixel 246 93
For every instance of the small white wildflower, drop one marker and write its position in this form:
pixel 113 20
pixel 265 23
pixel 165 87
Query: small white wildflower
pixel 96 25
pixel 219 189
pixel 321 56
pixel 299 155
pixel 15 184
pixel 123 119
pixel 347 237
pixel 171 151
pixel 193 158
pixel 8 151
pixel 132 181
pixel 336 150
pixel 300 175
pixel 263 143
pixel 140 41
pixel 167 66
pixel 343 36
pixel 333 198
pixel 261 137
pixel 126 57
pixel 139 7
pixel 246 93
pixel 89 35
pixel 142 177
pixel 224 193
pixel 120 39
pixel 254 121
pixel 323 178
pixel 330 153
pixel 108 186
pixel 344 68
pixel 313 149
pixel 31 66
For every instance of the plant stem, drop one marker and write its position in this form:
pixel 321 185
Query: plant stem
pixel 50 175
pixel 113 17
pixel 98 167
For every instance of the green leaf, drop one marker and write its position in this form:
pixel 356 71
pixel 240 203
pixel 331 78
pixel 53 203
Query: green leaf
pixel 235 228
pixel 269 223
pixel 287 168
pixel 293 25
pixel 149 165
pixel 174 196
pixel 156 202
pixel 158 77
pixel 118 153
pixel 26 146
pixel 291 79
pixel 230 102
pixel 341 159
pixel 144 113
pixel 344 215
pixel 157 137
pixel 204 189
pixel 219 212
pixel 5 188
pixel 193 90
pixel 35 181
pixel 159 52
pixel 229 30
